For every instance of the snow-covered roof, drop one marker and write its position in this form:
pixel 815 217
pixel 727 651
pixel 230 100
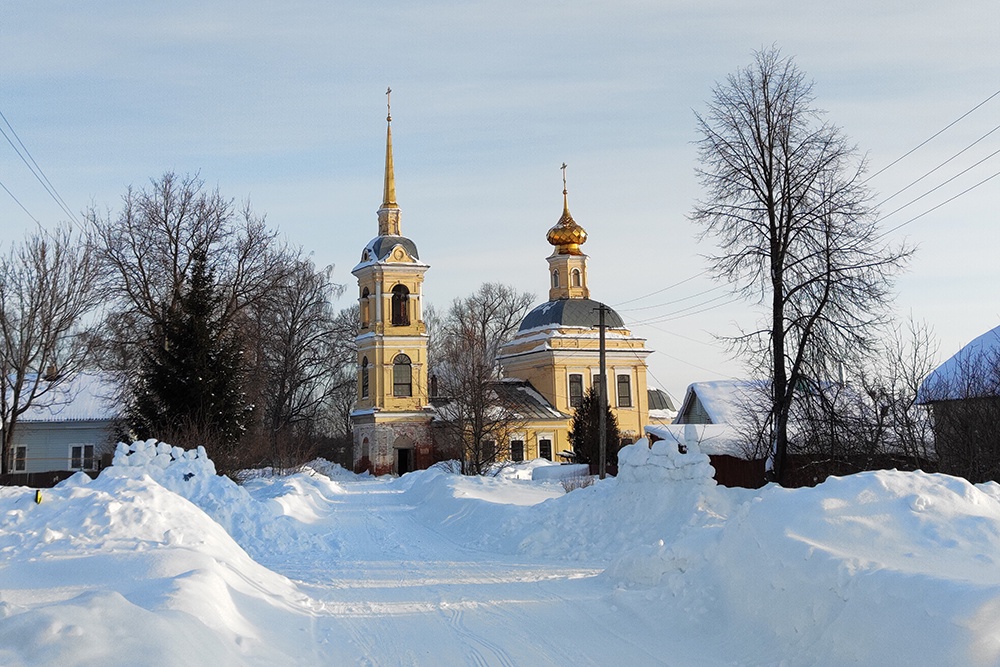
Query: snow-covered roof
pixel 723 400
pixel 85 397
pixel 973 371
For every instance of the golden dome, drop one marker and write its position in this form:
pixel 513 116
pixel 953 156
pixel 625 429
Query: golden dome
pixel 567 236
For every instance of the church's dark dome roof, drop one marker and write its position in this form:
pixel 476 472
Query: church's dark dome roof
pixel 571 313
pixel 381 245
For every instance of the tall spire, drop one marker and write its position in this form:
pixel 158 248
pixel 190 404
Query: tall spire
pixel 389 194
pixel 388 214
pixel 567 235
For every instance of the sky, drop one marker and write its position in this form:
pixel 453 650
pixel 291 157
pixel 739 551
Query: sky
pixel 283 104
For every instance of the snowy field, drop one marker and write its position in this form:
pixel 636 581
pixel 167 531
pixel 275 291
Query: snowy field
pixel 159 561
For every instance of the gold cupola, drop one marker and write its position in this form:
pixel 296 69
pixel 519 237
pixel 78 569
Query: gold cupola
pixel 567 263
pixel 566 235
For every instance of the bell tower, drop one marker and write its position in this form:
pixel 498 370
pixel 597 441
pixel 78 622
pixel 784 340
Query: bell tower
pixel 391 419
pixel 567 263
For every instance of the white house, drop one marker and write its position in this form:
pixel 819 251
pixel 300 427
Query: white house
pixel 68 430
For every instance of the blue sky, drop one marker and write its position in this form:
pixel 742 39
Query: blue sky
pixel 283 103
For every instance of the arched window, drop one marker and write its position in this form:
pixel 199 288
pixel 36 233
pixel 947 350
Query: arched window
pixel 364 308
pixel 364 377
pixel 576 278
pixel 400 306
pixel 555 278
pixel 402 376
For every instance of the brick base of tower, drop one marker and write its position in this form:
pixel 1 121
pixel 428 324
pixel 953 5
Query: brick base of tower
pixel 384 447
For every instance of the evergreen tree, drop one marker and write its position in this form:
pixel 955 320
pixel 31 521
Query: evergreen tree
pixel 189 387
pixel 586 429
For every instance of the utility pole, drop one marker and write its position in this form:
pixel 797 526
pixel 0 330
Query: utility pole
pixel 603 394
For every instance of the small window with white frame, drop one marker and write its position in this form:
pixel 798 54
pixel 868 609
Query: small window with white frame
pixel 81 457
pixel 21 458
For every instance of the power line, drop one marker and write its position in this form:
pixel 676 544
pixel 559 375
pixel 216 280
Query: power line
pixel 18 201
pixel 663 289
pixel 932 137
pixel 946 201
pixel 35 170
pixel 668 303
pixel 941 185
pixel 684 312
pixel 914 182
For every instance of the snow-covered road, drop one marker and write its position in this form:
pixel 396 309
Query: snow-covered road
pixel 401 592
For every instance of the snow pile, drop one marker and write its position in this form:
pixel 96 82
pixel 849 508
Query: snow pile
pixel 664 461
pixel 875 564
pixel 263 528
pixel 95 561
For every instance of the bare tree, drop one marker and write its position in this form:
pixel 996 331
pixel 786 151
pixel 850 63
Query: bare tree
pixel 48 286
pixel 302 355
pixel 787 205
pixel 147 251
pixel 477 415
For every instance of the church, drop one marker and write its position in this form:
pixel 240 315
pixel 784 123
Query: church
pixel 547 367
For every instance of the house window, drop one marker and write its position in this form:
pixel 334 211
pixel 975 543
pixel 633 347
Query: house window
pixel 517 450
pixel 402 376
pixel 81 457
pixel 577 282
pixel 400 306
pixel 545 449
pixel 20 458
pixel 624 391
pixel 575 390
pixel 555 278
pixel 364 377
pixel 364 308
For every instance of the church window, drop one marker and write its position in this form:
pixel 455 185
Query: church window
pixel 624 391
pixel 364 308
pixel 545 449
pixel 517 450
pixel 402 376
pixel 364 377
pixel 577 281
pixel 400 306
pixel 555 278
pixel 575 390
pixel 596 384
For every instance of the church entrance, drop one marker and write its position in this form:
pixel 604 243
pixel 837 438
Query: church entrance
pixel 403 448
pixel 404 461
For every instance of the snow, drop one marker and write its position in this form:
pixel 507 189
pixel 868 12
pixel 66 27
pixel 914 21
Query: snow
pixel 725 401
pixel 84 397
pixel 967 373
pixel 713 439
pixel 159 561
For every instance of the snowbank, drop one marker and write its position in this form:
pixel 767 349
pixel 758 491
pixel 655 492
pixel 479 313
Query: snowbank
pixel 883 568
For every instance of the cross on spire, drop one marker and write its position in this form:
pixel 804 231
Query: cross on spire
pixel 564 178
pixel 388 104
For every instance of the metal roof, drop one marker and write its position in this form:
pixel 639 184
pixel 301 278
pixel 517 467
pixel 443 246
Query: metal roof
pixel 571 313
pixel 380 246
pixel 85 397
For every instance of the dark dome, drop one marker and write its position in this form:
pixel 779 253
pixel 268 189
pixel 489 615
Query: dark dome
pixel 381 245
pixel 570 313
